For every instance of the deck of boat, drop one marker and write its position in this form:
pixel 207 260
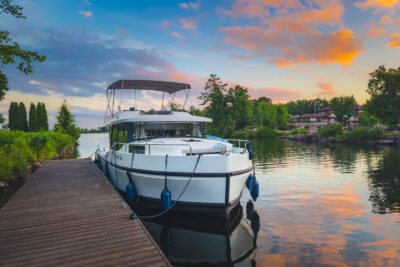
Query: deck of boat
pixel 68 214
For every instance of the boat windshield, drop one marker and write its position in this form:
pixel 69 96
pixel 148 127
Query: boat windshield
pixel 128 132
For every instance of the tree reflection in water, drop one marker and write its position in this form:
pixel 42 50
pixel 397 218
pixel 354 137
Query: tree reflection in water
pixel 384 181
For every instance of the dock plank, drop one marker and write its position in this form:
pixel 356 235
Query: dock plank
pixel 68 214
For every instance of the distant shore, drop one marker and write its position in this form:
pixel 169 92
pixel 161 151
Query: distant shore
pixel 393 141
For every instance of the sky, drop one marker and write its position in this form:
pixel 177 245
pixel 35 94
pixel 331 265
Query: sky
pixel 281 49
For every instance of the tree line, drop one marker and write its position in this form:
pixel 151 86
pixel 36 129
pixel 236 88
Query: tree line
pixel 18 120
pixel 232 110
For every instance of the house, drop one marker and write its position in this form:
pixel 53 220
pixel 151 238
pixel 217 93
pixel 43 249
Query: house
pixel 313 121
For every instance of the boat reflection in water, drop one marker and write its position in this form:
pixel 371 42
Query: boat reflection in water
pixel 204 240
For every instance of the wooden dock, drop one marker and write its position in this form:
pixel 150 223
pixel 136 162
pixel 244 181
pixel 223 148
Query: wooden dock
pixel 68 214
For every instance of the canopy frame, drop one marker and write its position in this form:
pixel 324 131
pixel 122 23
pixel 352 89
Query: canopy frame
pixel 161 86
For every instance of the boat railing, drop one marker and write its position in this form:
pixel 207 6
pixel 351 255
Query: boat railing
pixel 239 141
pixel 119 145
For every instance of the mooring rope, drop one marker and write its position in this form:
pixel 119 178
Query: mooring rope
pixel 133 215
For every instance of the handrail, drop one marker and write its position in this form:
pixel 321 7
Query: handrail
pixel 237 140
pixel 149 145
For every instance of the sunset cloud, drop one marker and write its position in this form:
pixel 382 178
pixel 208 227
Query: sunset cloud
pixel 187 23
pixel 326 88
pixel 241 57
pixel 311 47
pixel 376 3
pixel 177 35
pixel 86 14
pixel 394 40
pixel 375 32
pixel 291 34
pixel 386 19
pixel 189 5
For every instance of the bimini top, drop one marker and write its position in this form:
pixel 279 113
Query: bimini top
pixel 163 86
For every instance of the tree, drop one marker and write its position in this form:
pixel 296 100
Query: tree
pixel 12 116
pixel 367 120
pixel 384 91
pixel 217 107
pixel 304 106
pixel 43 124
pixel 2 120
pixel 22 120
pixel 66 122
pixel 240 108
pixel 11 52
pixel 282 116
pixel 33 119
pixel 342 105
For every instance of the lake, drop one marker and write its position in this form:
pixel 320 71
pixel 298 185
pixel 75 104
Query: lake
pixel 318 205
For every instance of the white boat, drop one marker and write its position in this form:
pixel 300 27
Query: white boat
pixel 169 151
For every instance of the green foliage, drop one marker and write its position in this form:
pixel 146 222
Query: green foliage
pixel 33 118
pixel 43 124
pixel 240 108
pixel 233 112
pixel 265 132
pixel 304 106
pixel 98 130
pixel 342 105
pixel 298 131
pixel 20 149
pixel 22 121
pixel 2 120
pixel 282 116
pixel 363 134
pixel 330 130
pixel 66 123
pixel 367 120
pixel 12 116
pixel 384 90
pixel 11 52
pixel 217 105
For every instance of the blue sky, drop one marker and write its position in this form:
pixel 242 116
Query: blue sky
pixel 280 49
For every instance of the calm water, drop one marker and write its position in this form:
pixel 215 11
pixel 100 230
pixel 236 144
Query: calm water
pixel 334 205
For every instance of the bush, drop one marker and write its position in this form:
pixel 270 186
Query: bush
pixel 330 130
pixel 20 149
pixel 265 132
pixel 298 131
pixel 240 134
pixel 363 134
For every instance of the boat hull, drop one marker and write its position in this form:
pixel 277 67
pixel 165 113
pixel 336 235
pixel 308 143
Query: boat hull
pixel 207 190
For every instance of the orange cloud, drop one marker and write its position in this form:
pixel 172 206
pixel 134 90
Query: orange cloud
pixel 302 69
pixel 86 14
pixel 394 40
pixel 327 88
pixel 177 35
pixel 291 36
pixel 375 32
pixel 376 3
pixel 308 47
pixel 386 19
pixel 241 57
pixel 189 5
pixel 256 8
pixel 188 24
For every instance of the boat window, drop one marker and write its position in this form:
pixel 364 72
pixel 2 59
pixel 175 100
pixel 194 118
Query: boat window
pixel 136 149
pixel 172 129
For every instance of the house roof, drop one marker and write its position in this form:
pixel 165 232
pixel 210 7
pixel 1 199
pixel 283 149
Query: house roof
pixel 318 115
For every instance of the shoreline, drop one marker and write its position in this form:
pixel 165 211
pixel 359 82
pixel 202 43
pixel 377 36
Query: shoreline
pixel 9 187
pixel 315 138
